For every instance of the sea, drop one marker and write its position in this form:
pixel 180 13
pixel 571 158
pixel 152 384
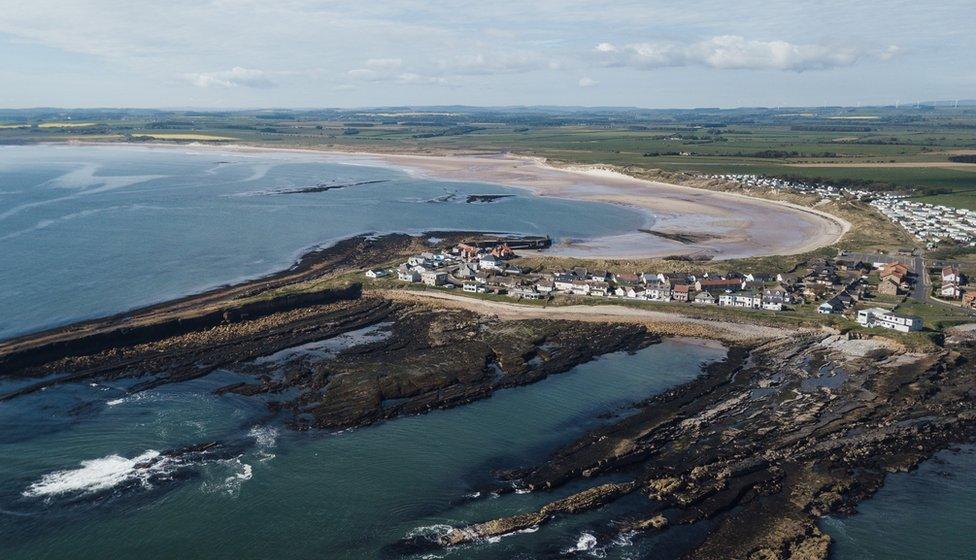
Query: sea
pixel 87 231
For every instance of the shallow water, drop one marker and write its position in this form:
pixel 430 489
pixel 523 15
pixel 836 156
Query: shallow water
pixel 68 489
pixel 87 231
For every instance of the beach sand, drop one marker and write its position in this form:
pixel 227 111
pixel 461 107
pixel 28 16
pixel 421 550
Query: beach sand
pixel 725 225
pixel 720 225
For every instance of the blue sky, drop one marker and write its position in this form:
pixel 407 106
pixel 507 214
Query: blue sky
pixel 303 53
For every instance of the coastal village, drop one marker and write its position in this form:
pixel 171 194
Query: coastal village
pixel 930 224
pixel 862 287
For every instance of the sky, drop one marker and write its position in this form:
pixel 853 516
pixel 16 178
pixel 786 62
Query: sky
pixel 362 53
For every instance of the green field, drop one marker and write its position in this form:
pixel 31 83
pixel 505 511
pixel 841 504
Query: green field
pixel 818 143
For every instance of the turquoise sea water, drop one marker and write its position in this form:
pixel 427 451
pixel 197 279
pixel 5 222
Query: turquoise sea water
pixel 87 231
pixel 68 488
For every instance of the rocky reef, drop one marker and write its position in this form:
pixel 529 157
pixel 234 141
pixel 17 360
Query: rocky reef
pixel 762 445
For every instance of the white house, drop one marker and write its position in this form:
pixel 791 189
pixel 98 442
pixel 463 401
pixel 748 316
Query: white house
pixel 950 275
pixel 704 298
pixel 376 273
pixel 407 274
pixel 489 262
pixel 658 291
pixel 951 291
pixel 474 287
pixel 741 299
pixel 878 317
pixel 580 288
pixel 434 277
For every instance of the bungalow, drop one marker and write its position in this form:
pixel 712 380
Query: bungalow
pixel 418 260
pixel 878 317
pixel 407 274
pixel 434 277
pixel 599 275
pixel 704 298
pixel 636 292
pixel 681 292
pixel 376 273
pixel 564 284
pixel 471 286
pixel 545 286
pixel 482 277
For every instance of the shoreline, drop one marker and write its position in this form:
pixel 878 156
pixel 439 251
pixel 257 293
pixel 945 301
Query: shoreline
pixel 735 225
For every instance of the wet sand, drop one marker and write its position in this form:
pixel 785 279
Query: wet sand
pixel 723 225
pixel 729 225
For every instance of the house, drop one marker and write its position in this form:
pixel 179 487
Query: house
pixel 636 292
pixel 969 298
pixel 482 276
pixel 599 289
pixel 950 291
pixel 719 284
pixel 467 270
pixel 681 292
pixel 474 287
pixel 502 251
pixel 545 286
pixel 418 260
pixel 525 293
pixel 658 291
pixel 894 270
pixel 468 252
pixel 747 300
pixel 950 275
pixel 704 298
pixel 489 262
pixel 564 284
pixel 888 286
pixel 830 306
pixel 599 275
pixel 773 300
pixel 626 278
pixel 787 279
pixel 580 288
pixel 434 277
pixel 648 278
pixel 878 317
pixel 376 273
pixel 407 274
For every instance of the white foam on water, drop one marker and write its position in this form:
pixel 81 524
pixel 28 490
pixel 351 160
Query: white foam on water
pixel 430 531
pixel 97 475
pixel 498 538
pixel 586 543
pixel 264 436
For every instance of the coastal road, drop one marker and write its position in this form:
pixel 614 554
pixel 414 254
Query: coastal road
pixel 658 321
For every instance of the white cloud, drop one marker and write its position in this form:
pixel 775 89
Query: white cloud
pixel 890 52
pixel 729 52
pixel 586 81
pixel 235 77
pixel 497 63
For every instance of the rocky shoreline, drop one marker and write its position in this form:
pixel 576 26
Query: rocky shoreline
pixel 760 446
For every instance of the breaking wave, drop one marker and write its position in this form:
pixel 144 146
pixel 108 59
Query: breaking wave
pixel 98 475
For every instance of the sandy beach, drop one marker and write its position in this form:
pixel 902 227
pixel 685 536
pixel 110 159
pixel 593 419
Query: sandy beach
pixel 712 224
pixel 725 225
